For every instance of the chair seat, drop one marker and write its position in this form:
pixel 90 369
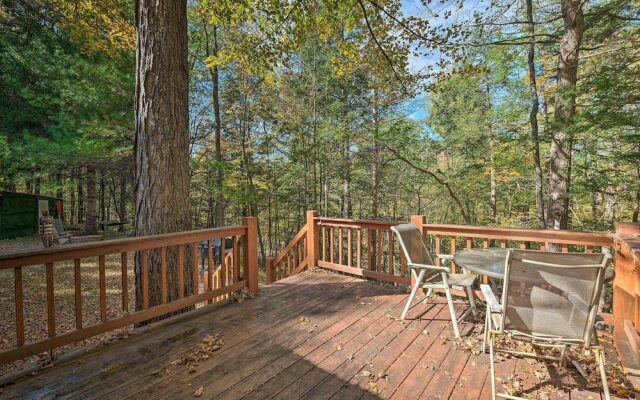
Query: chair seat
pixel 461 280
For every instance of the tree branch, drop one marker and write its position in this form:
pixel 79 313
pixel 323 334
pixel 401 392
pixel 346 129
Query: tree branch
pixel 435 176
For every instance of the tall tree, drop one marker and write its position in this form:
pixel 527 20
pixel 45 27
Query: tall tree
pixel 162 136
pixel 565 109
pixel 533 116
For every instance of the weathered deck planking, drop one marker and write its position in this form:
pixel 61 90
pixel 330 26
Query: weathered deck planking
pixel 311 336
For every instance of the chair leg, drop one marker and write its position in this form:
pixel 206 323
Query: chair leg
pixel 603 374
pixel 486 332
pixel 493 372
pixel 452 310
pixel 472 301
pixel 413 294
pixel 427 296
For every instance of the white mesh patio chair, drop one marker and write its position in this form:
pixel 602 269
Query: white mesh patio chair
pixel 550 300
pixel 429 276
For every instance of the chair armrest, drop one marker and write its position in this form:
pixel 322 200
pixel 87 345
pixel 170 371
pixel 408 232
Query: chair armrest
pixel 490 298
pixel 447 257
pixel 430 267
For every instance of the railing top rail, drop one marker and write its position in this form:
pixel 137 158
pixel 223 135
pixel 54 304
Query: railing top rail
pixel 302 232
pixel 487 232
pixel 524 234
pixel 628 239
pixel 357 223
pixel 82 250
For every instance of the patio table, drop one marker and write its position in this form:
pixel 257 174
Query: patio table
pixel 491 262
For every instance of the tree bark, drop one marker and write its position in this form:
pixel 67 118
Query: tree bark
pixel 90 221
pixel 533 118
pixel 565 107
pixel 80 187
pixel 375 162
pixel 161 189
pixel 123 201
pixel 72 198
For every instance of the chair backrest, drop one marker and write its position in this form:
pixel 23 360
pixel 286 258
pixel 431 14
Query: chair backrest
pixel 552 295
pixel 412 244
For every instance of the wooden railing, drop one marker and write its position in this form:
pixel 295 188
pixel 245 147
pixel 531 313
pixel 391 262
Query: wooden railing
pixel 363 248
pixel 369 249
pixel 626 296
pixel 238 269
pixel 291 260
pixel 447 239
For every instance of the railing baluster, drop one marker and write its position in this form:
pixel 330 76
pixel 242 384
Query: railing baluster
pixel 236 261
pixel 196 273
pixel 359 248
pixel 103 288
pixel 340 239
pixel 370 250
pixel 469 244
pixel 223 262
pixel 565 248
pixel 438 250
pixel 379 250
pixel 324 243
pixel 145 279
pixel 125 281
pixel 349 248
pixel 523 245
pixel 77 277
pixel 51 309
pixel 543 247
pixel 19 298
pixel 588 249
pixel 453 251
pixel 331 244
pixel 503 243
pixel 163 274
pixel 180 271
pixel 390 255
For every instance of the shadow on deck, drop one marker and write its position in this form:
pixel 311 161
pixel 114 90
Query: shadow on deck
pixel 314 336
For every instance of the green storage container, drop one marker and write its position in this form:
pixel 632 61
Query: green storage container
pixel 19 213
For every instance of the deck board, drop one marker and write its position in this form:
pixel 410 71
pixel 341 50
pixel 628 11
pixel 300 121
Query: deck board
pixel 312 336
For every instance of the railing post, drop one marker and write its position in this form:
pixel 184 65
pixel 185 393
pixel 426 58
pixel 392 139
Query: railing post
pixel 251 253
pixel 268 265
pixel 313 240
pixel 418 220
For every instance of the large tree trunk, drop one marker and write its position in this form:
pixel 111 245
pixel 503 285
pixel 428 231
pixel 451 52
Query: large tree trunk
pixel 533 117
pixel 161 189
pixel 565 107
pixel 90 221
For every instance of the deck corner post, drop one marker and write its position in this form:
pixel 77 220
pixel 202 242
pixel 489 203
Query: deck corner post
pixel 251 253
pixel 313 240
pixel 419 221
pixel 268 265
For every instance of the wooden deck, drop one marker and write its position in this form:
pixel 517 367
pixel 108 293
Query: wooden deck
pixel 313 335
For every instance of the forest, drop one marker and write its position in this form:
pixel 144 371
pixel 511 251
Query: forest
pixel 509 113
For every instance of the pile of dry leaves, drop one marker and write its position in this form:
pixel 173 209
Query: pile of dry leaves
pixel 618 382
